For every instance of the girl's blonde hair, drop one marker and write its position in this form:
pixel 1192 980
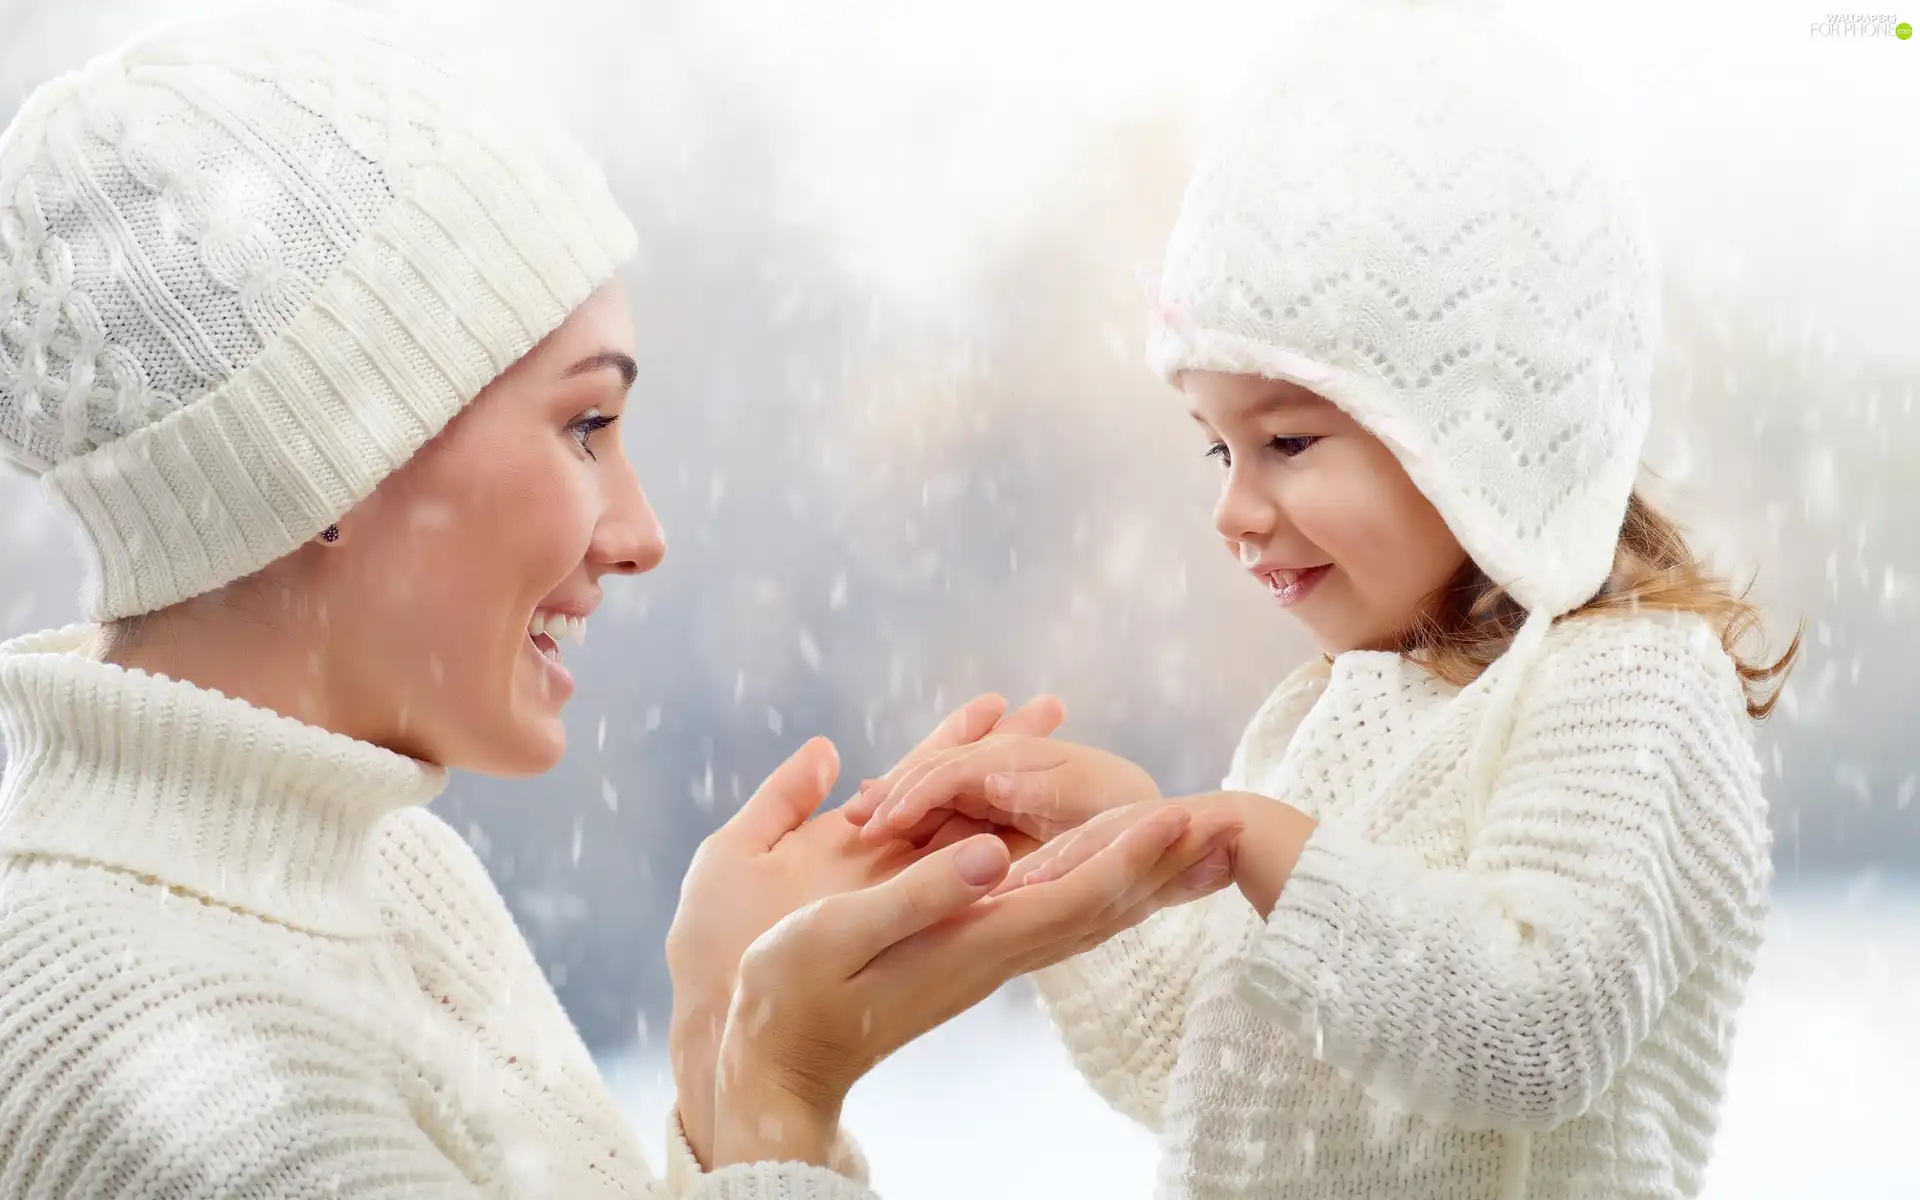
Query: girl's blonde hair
pixel 1471 619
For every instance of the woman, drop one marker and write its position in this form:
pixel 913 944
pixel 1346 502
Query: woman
pixel 321 343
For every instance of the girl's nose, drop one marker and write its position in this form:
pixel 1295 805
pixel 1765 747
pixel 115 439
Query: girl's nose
pixel 1244 513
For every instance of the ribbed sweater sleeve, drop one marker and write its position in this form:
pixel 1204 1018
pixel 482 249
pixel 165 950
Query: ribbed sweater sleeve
pixel 1625 838
pixel 1120 1008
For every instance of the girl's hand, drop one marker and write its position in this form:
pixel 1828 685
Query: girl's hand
pixel 979 718
pixel 846 981
pixel 1040 787
pixel 1258 863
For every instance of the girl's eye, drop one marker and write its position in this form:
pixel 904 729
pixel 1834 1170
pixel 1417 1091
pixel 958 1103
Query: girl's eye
pixel 1288 447
pixel 588 425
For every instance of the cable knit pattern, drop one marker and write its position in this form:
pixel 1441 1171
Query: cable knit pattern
pixel 238 958
pixel 250 264
pixel 1415 210
pixel 1546 1010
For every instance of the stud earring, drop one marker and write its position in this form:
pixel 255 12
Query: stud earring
pixel 330 534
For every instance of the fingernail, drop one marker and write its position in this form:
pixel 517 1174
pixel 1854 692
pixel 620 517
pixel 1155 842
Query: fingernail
pixel 999 786
pixel 978 863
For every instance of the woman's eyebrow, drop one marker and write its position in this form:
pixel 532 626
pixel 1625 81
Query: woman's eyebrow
pixel 629 370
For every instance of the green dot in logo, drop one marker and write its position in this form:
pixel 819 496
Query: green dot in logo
pixel 1903 31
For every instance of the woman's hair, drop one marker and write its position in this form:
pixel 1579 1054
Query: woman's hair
pixel 112 639
pixel 1471 619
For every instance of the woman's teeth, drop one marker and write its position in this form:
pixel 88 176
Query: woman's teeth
pixel 558 626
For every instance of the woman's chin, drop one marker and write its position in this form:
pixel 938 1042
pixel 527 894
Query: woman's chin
pixel 530 745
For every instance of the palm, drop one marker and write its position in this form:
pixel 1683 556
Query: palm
pixel 825 857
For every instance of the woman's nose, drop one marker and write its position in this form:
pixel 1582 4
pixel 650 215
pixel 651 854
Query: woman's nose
pixel 630 541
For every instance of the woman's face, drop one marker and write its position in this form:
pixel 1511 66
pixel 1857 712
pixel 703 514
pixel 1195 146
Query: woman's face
pixel 452 589
pixel 1320 511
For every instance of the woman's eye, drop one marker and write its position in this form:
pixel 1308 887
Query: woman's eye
pixel 584 429
pixel 1219 450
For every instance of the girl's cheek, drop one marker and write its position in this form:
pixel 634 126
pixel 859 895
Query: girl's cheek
pixel 1338 516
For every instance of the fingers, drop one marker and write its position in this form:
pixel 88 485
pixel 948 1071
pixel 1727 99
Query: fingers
pixel 788 797
pixel 854 928
pixel 1038 717
pixel 948 828
pixel 957 778
pixel 1033 802
pixel 980 717
pixel 1202 858
pixel 963 726
pixel 1208 875
pixel 1126 875
pixel 1110 880
pixel 1068 852
pixel 956 960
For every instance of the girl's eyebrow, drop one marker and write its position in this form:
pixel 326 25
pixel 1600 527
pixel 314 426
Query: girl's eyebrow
pixel 1283 399
pixel 1277 401
pixel 623 363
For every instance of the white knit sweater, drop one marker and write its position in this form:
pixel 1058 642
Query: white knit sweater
pixel 1545 1013
pixel 239 959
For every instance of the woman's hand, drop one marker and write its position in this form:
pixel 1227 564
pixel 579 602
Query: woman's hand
pixel 768 860
pixel 846 981
pixel 1040 787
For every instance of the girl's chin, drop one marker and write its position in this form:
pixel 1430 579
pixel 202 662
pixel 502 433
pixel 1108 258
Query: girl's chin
pixel 1333 640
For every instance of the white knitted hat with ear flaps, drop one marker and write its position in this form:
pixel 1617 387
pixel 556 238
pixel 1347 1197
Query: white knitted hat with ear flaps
pixel 250 264
pixel 1415 210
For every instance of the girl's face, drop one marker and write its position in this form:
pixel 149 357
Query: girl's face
pixel 453 587
pixel 1320 512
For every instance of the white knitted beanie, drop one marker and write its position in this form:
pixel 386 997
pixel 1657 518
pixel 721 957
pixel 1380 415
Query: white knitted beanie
pixel 1414 212
pixel 1418 212
pixel 250 264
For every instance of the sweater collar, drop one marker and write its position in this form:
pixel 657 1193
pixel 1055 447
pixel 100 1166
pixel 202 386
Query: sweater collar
pixel 200 791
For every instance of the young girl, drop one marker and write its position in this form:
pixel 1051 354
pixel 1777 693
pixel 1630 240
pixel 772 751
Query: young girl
pixel 1502 865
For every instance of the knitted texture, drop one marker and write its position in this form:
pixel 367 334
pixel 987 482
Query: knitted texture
pixel 238 958
pixel 1544 1012
pixel 250 264
pixel 1415 211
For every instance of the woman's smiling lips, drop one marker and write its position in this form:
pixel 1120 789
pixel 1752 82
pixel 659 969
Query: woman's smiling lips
pixel 551 625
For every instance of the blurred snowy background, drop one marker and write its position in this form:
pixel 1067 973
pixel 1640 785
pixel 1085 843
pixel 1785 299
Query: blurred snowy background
pixel 892 414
